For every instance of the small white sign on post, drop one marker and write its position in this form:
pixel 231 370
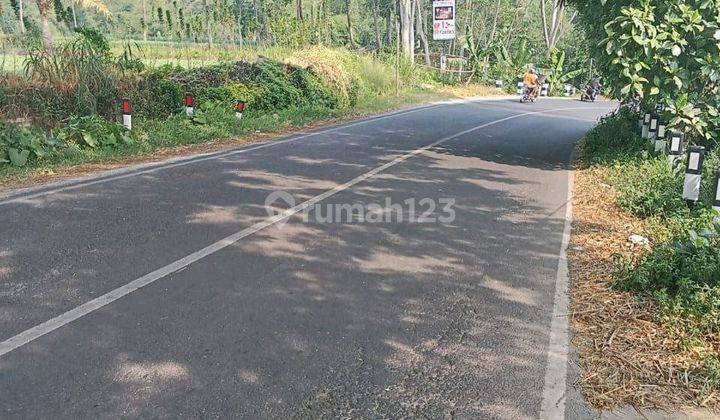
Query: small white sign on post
pixel 443 62
pixel 443 19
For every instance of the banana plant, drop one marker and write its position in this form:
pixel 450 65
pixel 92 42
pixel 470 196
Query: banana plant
pixel 557 76
pixel 477 55
pixel 514 61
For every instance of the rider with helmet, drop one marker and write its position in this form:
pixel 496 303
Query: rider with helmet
pixel 530 82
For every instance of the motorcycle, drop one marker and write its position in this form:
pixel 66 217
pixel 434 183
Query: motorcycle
pixel 589 94
pixel 529 94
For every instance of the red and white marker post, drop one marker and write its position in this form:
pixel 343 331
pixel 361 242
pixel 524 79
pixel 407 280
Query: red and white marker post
pixel 716 200
pixel 127 114
pixel 239 108
pixel 189 105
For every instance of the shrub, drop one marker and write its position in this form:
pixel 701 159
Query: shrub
pixel 314 90
pixel 244 93
pixel 614 140
pixel 19 146
pixel 92 132
pixel 649 188
pixel 684 276
pixel 336 68
pixel 152 94
pixel 277 91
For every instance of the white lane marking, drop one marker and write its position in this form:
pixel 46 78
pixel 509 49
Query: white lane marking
pixel 27 194
pixel 61 320
pixel 555 387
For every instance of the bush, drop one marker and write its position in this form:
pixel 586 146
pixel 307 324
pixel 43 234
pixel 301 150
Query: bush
pixel 153 95
pixel 314 90
pixel 244 93
pixel 92 132
pixel 649 188
pixel 614 140
pixel 684 276
pixel 20 146
pixel 277 90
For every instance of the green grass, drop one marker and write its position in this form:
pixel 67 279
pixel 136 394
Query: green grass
pixel 152 135
pixel 682 270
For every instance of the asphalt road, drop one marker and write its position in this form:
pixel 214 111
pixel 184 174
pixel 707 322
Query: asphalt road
pixel 239 316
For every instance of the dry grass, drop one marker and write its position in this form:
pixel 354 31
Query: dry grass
pixel 627 354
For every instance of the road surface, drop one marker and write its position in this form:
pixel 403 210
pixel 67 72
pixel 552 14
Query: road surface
pixel 172 290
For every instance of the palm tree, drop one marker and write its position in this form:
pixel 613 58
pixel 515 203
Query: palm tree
pixel 45 6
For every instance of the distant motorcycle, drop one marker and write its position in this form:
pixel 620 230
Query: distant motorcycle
pixel 589 94
pixel 529 95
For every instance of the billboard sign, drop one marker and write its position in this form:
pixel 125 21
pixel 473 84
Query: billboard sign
pixel 443 19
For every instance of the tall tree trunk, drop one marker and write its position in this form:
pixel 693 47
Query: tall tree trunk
pixel 44 7
pixel 376 26
pixel 388 28
pixel 74 14
pixel 406 29
pixel 145 21
pixel 421 31
pixel 349 24
pixel 21 16
pixel 208 18
pixel 299 9
pixel 551 29
pixel 495 22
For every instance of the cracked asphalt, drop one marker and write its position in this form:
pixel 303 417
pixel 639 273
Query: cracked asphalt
pixel 309 318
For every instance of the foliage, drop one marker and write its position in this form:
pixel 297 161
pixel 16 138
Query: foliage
pixel 313 88
pixel 19 146
pixel 681 271
pixel 684 276
pixel 558 76
pixel 664 51
pixel 511 63
pixel 92 132
pixel 614 141
pixel 647 185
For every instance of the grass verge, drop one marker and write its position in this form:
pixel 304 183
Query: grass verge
pixel 645 317
pixel 155 140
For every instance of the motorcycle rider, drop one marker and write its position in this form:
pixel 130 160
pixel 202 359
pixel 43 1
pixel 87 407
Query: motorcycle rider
pixel 593 88
pixel 530 81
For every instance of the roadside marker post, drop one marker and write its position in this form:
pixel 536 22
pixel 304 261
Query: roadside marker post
pixel 189 105
pixel 520 86
pixel 498 84
pixel 545 89
pixel 676 148
pixel 127 114
pixel 652 130
pixel 693 175
pixel 568 90
pixel 239 108
pixel 660 142
pixel 716 200
pixel 646 126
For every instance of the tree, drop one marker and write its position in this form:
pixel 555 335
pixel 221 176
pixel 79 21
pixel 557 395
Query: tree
pixel 407 32
pixel 421 31
pixel 551 29
pixel 44 8
pixel 351 38
pixel 663 51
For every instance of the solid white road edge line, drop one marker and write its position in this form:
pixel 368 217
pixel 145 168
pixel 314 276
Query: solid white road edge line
pixel 61 320
pixel 25 195
pixel 555 387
